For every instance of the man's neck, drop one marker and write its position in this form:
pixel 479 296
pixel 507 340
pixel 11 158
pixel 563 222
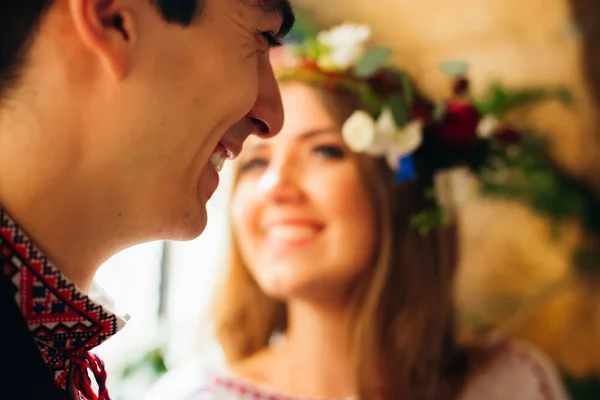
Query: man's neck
pixel 49 203
pixel 66 246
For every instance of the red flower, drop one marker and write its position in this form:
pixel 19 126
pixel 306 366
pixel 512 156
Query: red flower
pixel 460 87
pixel 309 65
pixel 507 136
pixel 385 83
pixel 458 128
pixel 421 111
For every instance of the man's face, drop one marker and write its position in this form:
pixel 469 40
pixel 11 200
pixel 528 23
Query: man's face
pixel 191 94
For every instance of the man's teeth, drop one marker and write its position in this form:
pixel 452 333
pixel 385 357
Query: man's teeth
pixel 291 233
pixel 218 159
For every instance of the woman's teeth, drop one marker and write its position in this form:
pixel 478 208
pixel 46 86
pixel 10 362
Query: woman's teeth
pixel 291 233
pixel 218 158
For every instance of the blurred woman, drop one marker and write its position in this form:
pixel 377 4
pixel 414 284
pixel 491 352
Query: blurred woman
pixel 331 292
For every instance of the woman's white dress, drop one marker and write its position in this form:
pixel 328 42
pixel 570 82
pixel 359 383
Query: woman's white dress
pixel 518 372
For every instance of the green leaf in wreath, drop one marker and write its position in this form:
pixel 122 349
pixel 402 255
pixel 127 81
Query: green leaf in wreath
pixel 311 48
pixel 407 88
pixel 399 110
pixel 455 68
pixel 495 102
pixel 439 111
pixel 428 220
pixel 526 97
pixel 565 97
pixel 304 27
pixel 371 62
pixel 500 101
pixel 587 261
pixel 429 194
pixel 370 101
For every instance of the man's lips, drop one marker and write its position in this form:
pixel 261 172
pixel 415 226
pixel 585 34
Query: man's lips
pixel 223 153
pixel 232 147
pixel 218 157
pixel 234 137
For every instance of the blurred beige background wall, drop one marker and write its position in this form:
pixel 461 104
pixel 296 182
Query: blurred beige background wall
pixel 508 253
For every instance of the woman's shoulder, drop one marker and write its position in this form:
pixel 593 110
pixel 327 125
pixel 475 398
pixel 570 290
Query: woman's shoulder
pixel 209 378
pixel 191 379
pixel 201 382
pixel 516 370
pixel 185 382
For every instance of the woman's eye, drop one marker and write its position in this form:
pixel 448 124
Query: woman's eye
pixel 252 164
pixel 330 151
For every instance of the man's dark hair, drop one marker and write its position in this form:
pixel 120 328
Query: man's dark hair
pixel 19 20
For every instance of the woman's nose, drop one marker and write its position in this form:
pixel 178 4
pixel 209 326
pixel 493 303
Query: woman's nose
pixel 282 183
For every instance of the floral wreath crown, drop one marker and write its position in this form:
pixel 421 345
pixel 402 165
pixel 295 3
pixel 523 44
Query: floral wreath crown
pixel 447 143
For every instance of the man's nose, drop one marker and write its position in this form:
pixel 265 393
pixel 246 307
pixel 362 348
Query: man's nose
pixel 267 113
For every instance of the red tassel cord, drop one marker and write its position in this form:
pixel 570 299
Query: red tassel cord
pixel 81 379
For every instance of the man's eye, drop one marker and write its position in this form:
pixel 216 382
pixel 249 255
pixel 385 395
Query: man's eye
pixel 271 39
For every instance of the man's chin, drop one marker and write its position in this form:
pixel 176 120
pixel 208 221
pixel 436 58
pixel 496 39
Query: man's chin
pixel 194 228
pixel 189 227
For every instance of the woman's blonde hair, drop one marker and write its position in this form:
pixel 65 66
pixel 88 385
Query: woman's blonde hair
pixel 402 325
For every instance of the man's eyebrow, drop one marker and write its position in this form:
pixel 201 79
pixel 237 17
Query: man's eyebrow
pixel 282 9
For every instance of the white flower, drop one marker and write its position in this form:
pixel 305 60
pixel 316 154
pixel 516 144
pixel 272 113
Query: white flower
pixel 453 188
pixel 385 129
pixel 487 126
pixel 327 64
pixel 382 138
pixel 386 124
pixel 358 131
pixel 347 43
pixel 404 142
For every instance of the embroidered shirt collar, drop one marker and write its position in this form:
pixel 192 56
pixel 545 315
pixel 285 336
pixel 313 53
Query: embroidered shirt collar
pixel 66 324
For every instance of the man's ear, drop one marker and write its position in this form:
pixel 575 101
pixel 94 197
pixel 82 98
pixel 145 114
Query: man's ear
pixel 107 28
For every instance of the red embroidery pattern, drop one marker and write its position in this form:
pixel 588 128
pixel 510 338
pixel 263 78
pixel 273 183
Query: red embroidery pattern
pixel 247 392
pixel 65 323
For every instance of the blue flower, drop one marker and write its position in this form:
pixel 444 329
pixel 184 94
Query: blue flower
pixel 406 169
